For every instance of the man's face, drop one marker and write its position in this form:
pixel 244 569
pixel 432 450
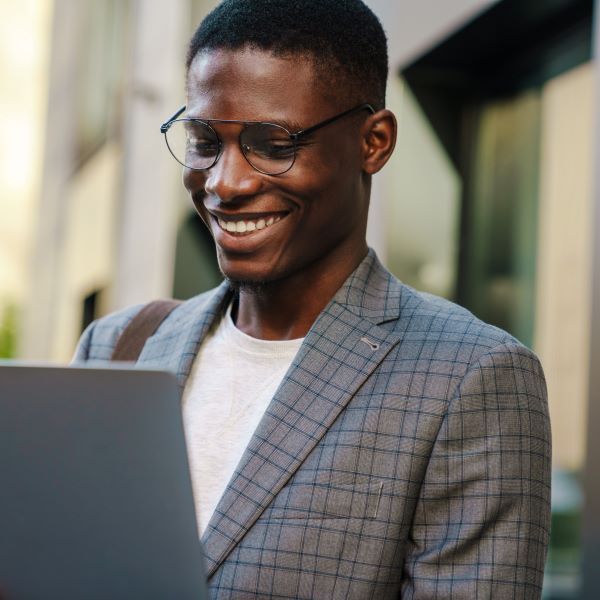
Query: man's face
pixel 311 219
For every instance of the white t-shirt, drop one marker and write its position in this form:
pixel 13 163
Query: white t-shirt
pixel 232 381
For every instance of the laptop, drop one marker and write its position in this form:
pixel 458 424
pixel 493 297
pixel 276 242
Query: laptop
pixel 95 493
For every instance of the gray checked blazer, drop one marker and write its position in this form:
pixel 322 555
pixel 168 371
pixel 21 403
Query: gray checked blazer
pixel 406 453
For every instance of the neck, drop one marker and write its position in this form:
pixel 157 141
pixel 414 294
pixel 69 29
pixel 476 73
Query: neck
pixel 286 309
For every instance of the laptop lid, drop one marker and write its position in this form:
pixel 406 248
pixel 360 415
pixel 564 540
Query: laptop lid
pixel 95 492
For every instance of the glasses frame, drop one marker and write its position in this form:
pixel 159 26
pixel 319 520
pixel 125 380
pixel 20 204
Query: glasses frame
pixel 294 137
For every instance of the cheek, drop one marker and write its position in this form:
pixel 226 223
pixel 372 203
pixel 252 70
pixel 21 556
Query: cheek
pixel 193 182
pixel 327 189
pixel 331 214
pixel 190 180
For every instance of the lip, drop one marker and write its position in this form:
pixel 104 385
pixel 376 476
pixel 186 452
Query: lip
pixel 248 241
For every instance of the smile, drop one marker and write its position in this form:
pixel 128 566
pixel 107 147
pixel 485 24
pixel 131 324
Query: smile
pixel 239 226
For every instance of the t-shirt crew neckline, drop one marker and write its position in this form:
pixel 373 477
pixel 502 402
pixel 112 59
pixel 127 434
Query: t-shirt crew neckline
pixel 253 345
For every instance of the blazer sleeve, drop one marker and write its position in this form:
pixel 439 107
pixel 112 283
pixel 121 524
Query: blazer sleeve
pixel 482 520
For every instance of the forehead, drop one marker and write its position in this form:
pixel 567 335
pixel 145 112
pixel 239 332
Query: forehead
pixel 254 85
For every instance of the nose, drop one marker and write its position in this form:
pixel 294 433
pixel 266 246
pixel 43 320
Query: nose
pixel 232 178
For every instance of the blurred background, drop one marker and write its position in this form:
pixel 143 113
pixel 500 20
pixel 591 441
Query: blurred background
pixel 489 199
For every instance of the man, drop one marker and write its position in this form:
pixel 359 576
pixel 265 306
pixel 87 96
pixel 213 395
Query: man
pixel 348 436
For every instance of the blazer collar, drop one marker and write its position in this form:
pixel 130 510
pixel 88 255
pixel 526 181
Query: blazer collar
pixel 371 291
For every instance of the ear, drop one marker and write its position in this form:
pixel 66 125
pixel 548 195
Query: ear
pixel 378 140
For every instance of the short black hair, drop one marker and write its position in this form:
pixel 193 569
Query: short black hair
pixel 343 37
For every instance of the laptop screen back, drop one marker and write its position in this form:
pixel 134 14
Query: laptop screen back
pixel 95 493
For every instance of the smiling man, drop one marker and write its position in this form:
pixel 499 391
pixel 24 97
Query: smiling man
pixel 286 211
pixel 348 436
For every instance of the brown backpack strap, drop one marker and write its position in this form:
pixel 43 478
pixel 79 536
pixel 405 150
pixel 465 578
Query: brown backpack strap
pixel 142 326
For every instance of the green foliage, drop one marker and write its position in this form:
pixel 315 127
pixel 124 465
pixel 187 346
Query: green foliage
pixel 8 331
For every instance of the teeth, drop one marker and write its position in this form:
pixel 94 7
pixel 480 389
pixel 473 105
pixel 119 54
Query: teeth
pixel 245 226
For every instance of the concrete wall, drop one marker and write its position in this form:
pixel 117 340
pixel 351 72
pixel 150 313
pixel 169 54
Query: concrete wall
pixel 147 222
pixel 563 312
pixel 412 27
pixel 51 205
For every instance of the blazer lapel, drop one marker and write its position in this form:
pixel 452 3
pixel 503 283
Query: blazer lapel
pixel 340 351
pixel 174 345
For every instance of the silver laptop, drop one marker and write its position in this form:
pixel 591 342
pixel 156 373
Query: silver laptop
pixel 95 492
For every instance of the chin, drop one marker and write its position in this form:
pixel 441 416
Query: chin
pixel 246 273
pixel 245 279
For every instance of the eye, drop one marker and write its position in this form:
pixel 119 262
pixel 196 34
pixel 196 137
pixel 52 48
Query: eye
pixel 270 142
pixel 274 149
pixel 200 140
pixel 201 146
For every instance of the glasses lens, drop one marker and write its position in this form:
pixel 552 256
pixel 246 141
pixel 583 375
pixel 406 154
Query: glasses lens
pixel 268 148
pixel 193 143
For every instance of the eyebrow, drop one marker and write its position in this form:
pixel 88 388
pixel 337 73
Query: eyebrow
pixel 291 126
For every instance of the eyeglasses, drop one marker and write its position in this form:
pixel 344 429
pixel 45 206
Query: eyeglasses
pixel 268 147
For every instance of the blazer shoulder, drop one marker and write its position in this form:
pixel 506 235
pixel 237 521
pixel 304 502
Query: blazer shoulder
pixel 99 339
pixel 374 293
pixel 449 329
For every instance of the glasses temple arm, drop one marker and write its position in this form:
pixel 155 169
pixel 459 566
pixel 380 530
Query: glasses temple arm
pixel 304 132
pixel 165 126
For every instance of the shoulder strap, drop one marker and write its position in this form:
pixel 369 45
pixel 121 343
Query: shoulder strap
pixel 142 326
